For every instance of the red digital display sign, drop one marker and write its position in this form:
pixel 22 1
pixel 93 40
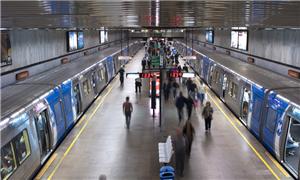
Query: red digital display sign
pixel 149 74
pixel 175 74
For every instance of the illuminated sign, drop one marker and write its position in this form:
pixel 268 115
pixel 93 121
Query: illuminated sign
pixel 175 74
pixel 149 75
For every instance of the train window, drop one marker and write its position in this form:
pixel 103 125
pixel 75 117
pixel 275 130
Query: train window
pixel 99 75
pixel 86 87
pixel 292 153
pixel 245 104
pixel 21 145
pixel 271 119
pixel 77 99
pixel 233 90
pixel 224 84
pixel 8 161
pixel 93 80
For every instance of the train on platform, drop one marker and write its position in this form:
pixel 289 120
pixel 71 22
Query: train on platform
pixel 37 113
pixel 267 103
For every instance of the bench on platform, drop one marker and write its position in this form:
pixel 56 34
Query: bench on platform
pixel 165 151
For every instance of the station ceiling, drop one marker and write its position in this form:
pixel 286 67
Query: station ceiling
pixel 137 14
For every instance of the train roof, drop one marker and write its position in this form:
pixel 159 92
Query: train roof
pixel 261 76
pixel 64 72
pixel 15 97
pixel 292 94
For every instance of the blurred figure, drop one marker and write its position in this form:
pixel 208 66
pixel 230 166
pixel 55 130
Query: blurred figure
pixel 138 84
pixel 144 62
pixel 180 100
pixel 201 93
pixel 179 147
pixel 207 114
pixel 122 71
pixel 189 102
pixel 127 110
pixel 189 132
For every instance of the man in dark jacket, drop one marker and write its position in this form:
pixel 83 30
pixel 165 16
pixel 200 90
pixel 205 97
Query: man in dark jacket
pixel 180 100
pixel 189 106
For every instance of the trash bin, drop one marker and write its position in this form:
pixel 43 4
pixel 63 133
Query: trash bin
pixel 167 173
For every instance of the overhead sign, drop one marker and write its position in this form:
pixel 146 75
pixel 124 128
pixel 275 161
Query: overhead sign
pixel 124 57
pixel 189 57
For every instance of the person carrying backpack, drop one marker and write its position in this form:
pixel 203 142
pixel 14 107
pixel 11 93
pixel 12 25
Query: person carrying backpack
pixel 207 114
pixel 127 110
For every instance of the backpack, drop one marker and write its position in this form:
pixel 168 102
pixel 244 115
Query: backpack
pixel 207 113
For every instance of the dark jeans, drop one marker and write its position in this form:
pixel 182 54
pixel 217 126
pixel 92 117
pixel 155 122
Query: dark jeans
pixel 127 117
pixel 180 113
pixel 207 123
pixel 137 87
pixel 179 158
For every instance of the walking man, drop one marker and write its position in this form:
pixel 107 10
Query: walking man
pixel 127 110
pixel 180 100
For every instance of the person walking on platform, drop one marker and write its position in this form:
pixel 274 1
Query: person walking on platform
pixel 122 72
pixel 180 100
pixel 189 133
pixel 201 93
pixel 189 102
pixel 144 64
pixel 138 84
pixel 127 110
pixel 179 147
pixel 166 91
pixel 207 114
pixel 185 68
pixel 189 83
pixel 175 87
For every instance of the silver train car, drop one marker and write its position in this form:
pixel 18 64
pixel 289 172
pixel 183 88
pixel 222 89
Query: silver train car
pixel 37 113
pixel 267 103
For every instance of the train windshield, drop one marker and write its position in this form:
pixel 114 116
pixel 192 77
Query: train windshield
pixel 292 154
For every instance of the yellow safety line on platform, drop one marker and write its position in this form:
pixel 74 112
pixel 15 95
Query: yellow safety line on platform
pixel 245 139
pixel 46 166
pixel 278 165
pixel 77 136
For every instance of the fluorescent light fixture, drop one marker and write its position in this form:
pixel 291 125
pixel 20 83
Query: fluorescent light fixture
pixel 190 57
pixel 188 75
pixel 124 57
pixel 132 75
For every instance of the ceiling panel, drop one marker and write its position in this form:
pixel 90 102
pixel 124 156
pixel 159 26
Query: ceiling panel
pixel 95 14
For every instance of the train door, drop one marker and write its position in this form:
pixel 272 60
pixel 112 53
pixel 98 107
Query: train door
pixel 77 100
pixel 210 75
pixel 258 104
pixel 245 103
pixel 224 86
pixel 43 132
pixel 292 150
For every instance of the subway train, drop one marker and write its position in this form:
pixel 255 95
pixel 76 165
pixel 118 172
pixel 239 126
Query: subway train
pixel 37 113
pixel 267 103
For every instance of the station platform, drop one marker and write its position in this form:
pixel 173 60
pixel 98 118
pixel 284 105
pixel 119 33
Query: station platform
pixel 100 143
